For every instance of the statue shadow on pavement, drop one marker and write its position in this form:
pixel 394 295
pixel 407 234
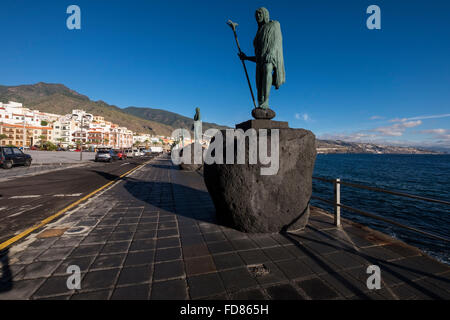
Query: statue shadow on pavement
pixel 6 279
pixel 175 198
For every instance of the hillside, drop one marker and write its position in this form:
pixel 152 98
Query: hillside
pixel 332 146
pixel 168 118
pixel 57 98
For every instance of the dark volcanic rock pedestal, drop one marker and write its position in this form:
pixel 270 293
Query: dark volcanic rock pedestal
pixel 196 152
pixel 256 203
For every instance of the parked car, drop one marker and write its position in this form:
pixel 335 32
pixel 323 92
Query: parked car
pixel 106 155
pixel 129 153
pixel 136 153
pixel 121 154
pixel 10 156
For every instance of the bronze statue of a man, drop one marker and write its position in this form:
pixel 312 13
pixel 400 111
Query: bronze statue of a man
pixel 268 56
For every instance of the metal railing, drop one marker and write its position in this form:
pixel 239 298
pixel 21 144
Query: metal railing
pixel 336 203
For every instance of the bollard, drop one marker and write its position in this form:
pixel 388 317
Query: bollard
pixel 337 201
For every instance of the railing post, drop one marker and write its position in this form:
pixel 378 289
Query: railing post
pixel 337 200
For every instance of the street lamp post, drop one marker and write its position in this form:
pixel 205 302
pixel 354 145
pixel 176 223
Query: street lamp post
pixel 81 118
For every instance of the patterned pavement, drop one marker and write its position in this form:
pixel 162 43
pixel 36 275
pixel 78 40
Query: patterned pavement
pixel 154 235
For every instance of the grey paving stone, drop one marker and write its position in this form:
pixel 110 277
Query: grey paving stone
pixel 214 236
pixel 121 236
pixel 254 294
pixel 135 275
pixel 237 279
pixel 205 285
pixel 168 242
pixel 317 264
pixel 220 247
pixel 96 280
pixel 29 255
pixel 316 289
pixel 345 285
pixel 278 253
pixel 39 269
pixel 167 233
pixel 254 256
pixel 264 241
pixel 284 292
pixel 228 261
pixel 145 234
pixel 147 226
pixel 294 269
pixel 167 225
pixel 344 260
pixel 82 262
pixel 96 295
pixel 53 286
pixel 232 234
pixel 168 254
pixel 199 265
pixel 272 277
pixel 116 247
pixel 140 292
pixel 42 243
pixel 108 261
pixel 169 290
pixel 243 244
pixel 87 250
pixel 53 254
pixel 296 250
pixel 95 238
pixel 192 240
pixel 195 250
pixel 126 228
pixel 168 270
pixel 139 258
pixel 71 241
pixel 22 289
pixel 143 245
pixel 378 254
pixel 281 238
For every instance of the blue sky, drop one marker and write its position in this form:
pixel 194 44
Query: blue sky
pixel 342 80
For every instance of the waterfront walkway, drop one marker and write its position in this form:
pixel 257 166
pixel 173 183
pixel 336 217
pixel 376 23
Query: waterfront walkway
pixel 154 235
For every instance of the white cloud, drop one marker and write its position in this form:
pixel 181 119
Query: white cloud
pixel 376 117
pixel 421 117
pixel 396 130
pixel 304 116
pixel 436 131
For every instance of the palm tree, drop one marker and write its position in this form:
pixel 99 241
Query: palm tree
pixel 146 143
pixel 3 136
pixel 60 140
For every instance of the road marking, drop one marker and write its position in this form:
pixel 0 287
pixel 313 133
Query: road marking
pixel 124 164
pixel 25 197
pixel 23 234
pixel 25 209
pixel 68 195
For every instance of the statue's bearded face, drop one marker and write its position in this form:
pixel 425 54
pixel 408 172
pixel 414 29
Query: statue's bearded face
pixel 259 16
pixel 262 15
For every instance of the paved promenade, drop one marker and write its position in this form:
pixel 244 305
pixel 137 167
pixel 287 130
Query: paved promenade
pixel 154 236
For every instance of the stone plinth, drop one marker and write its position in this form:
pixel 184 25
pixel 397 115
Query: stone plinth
pixel 255 203
pixel 191 164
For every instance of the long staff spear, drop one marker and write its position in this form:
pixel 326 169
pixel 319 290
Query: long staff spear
pixel 233 26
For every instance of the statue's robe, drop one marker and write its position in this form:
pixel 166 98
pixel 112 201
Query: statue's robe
pixel 268 45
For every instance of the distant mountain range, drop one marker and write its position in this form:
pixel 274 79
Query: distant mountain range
pixel 57 98
pixel 338 146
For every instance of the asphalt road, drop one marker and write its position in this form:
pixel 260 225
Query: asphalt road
pixel 26 201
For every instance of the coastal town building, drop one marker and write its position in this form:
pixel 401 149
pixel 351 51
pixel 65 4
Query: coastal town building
pixel 25 127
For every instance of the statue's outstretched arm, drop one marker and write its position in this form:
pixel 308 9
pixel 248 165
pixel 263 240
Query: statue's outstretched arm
pixel 243 56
